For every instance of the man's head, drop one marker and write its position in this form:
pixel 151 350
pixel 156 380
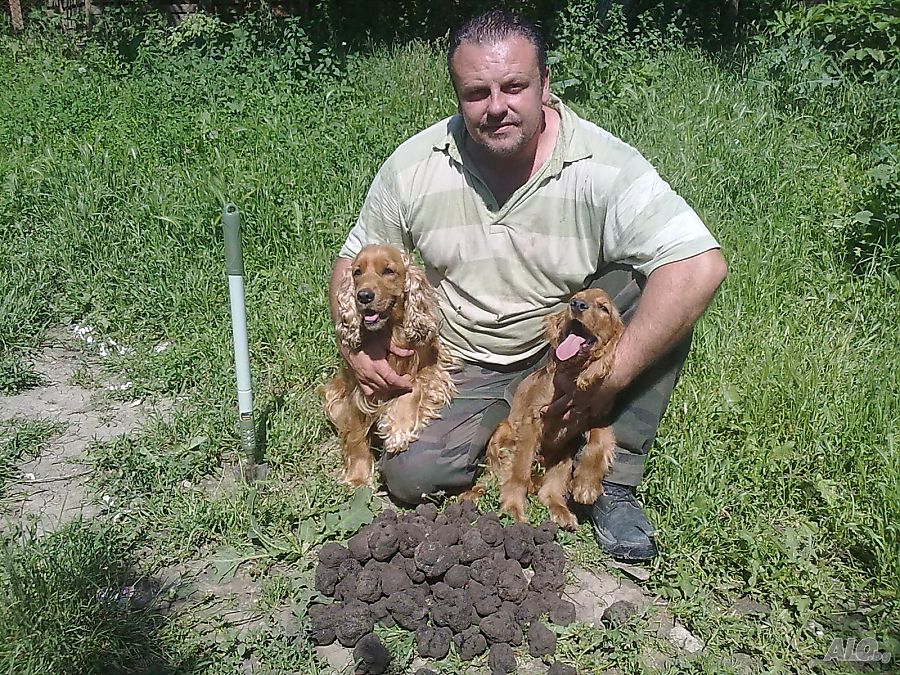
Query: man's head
pixel 498 66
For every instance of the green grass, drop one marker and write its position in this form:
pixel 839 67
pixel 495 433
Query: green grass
pixel 22 438
pixel 776 473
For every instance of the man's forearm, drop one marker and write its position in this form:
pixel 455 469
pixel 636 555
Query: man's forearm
pixel 673 299
pixel 341 265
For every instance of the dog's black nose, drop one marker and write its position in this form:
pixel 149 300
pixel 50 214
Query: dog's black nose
pixel 365 296
pixel 578 306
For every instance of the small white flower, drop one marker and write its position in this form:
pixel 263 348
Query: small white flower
pixel 82 70
pixel 161 347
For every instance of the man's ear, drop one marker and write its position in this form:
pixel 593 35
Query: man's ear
pixel 545 85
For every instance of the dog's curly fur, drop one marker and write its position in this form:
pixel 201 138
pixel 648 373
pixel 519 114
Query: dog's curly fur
pixel 384 293
pixel 516 443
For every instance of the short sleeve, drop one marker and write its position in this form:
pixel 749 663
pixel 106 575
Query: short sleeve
pixel 648 224
pixel 381 219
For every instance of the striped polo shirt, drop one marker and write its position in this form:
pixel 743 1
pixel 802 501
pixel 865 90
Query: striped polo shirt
pixel 500 269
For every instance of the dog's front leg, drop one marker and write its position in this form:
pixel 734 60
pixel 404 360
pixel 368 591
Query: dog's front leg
pixel 592 464
pixel 353 429
pixel 517 479
pixel 553 492
pixel 401 422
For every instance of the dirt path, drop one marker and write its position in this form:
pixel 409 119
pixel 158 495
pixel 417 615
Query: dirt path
pixel 52 490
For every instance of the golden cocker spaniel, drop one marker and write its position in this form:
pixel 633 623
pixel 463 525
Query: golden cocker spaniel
pixel 386 295
pixel 583 340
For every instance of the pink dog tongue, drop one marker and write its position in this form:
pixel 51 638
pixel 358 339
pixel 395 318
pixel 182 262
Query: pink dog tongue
pixel 569 347
pixel 370 317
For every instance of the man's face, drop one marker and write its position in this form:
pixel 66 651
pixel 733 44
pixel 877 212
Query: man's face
pixel 501 94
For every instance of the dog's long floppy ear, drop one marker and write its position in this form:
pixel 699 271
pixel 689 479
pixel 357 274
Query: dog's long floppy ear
pixel 347 326
pixel 553 328
pixel 420 323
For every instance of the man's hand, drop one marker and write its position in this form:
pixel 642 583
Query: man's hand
pixel 601 397
pixel 373 372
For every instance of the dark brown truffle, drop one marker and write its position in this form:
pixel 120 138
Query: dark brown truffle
pixel 321 624
pixel 562 612
pixel 501 627
pixel 470 643
pixel 502 660
pixel 326 579
pixel 394 579
pixel 358 545
pixel 406 609
pixel 511 584
pixel 368 585
pixel 332 555
pixel 370 655
pixel 384 542
pixel 541 640
pixel 433 642
pixel 428 511
pixel 473 546
pixel 457 576
pixel 353 621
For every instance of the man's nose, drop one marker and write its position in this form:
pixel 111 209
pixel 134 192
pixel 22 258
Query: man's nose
pixel 497 104
pixel 578 306
pixel 365 296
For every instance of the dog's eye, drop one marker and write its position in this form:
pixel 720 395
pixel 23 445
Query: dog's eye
pixel 357 271
pixel 389 272
pixel 603 308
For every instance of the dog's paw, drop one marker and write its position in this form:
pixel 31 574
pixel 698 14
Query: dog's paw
pixel 398 441
pixel 358 474
pixel 563 517
pixel 515 507
pixel 586 491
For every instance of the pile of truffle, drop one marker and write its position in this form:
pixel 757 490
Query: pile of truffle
pixel 449 577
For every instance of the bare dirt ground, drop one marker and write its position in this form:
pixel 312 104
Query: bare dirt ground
pixel 51 490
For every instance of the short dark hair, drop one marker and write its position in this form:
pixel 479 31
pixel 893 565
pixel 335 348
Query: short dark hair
pixel 495 26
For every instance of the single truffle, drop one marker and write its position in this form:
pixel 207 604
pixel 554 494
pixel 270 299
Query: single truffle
pixel 501 627
pixel 394 579
pixel 368 585
pixel 428 511
pixel 560 668
pixel 470 643
pixel 326 579
pixel 434 559
pixel 490 529
pixel 501 660
pixel 358 545
pixel 321 624
pixel 512 584
pixel 332 555
pixel 485 571
pixel 457 576
pixel 562 612
pixel 409 535
pixel 473 546
pixel 406 609
pixel 541 640
pixel 618 613
pixel 415 575
pixel 386 517
pixel 384 542
pixel 453 610
pixel 519 545
pixel 549 558
pixel 433 642
pixel 546 532
pixel 353 621
pixel 370 655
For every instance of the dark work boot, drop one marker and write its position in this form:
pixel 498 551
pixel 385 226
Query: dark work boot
pixel 620 526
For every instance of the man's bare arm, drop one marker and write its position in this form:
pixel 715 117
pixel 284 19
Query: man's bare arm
pixel 374 374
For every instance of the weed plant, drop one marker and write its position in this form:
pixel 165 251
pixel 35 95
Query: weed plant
pixel 776 471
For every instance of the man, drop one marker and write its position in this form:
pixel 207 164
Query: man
pixel 514 204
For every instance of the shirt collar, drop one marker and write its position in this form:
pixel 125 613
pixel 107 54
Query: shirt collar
pixel 569 147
